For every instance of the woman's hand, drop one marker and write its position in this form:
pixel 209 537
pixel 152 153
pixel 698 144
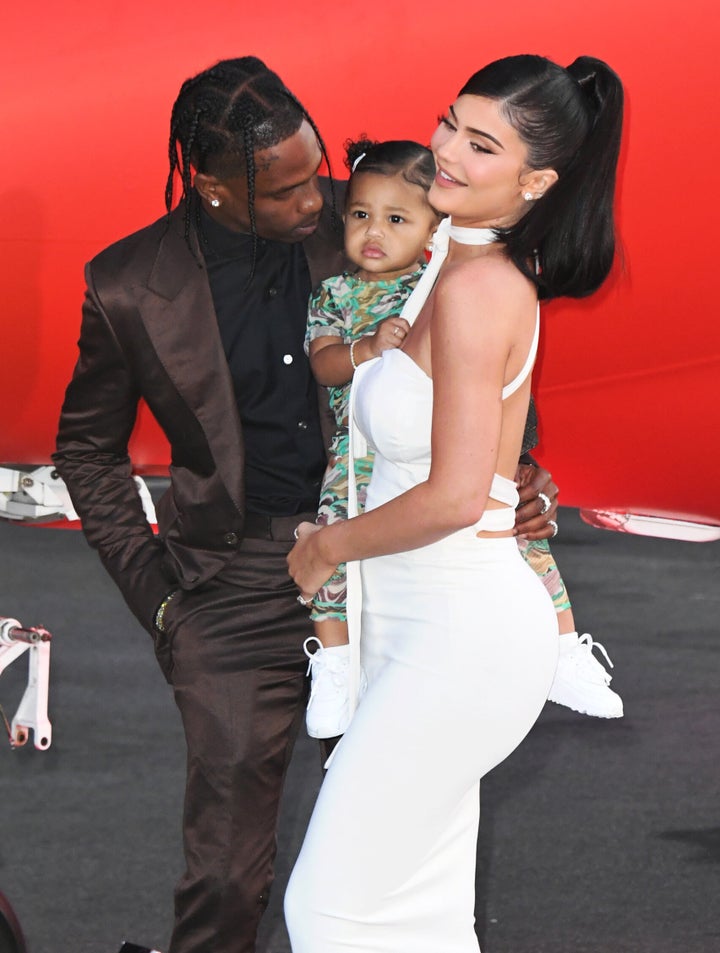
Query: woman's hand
pixel 306 564
pixel 536 514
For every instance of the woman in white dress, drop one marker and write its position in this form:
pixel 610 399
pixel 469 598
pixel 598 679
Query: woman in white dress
pixel 459 637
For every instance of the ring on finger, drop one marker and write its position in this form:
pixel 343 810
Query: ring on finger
pixel 396 331
pixel 546 504
pixel 555 528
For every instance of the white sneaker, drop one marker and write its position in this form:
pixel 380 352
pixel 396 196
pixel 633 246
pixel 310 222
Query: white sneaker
pixel 328 711
pixel 581 682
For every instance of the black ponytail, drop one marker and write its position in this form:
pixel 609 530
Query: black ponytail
pixel 570 120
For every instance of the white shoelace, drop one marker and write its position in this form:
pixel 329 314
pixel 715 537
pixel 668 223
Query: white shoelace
pixel 325 662
pixel 587 640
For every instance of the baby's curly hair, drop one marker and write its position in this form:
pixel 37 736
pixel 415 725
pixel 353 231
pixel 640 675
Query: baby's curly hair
pixel 396 156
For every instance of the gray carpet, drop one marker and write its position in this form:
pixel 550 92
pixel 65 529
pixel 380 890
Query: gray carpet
pixel 596 836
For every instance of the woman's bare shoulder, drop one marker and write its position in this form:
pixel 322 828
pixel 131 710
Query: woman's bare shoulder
pixel 489 283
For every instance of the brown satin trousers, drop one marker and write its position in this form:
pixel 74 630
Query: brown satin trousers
pixel 233 654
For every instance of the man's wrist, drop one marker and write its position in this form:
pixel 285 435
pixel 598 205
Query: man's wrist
pixel 159 618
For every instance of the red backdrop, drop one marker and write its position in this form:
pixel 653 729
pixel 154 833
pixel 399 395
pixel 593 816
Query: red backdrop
pixel 626 380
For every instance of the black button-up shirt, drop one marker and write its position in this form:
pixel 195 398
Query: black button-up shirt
pixel 262 327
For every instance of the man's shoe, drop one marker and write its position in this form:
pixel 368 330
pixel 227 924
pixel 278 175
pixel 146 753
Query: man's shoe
pixel 328 712
pixel 581 682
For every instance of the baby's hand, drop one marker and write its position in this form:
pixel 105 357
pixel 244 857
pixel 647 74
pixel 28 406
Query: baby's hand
pixel 390 333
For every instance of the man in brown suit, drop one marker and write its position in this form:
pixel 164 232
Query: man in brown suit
pixel 202 315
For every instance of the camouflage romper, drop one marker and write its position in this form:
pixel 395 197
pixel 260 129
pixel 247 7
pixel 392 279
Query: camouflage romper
pixel 348 308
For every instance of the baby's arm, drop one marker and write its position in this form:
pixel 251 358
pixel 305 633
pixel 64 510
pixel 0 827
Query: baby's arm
pixel 330 360
pixel 334 361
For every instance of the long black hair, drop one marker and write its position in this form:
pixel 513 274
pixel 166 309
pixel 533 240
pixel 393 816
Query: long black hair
pixel 222 117
pixel 570 120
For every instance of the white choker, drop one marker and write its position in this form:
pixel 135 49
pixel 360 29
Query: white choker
pixel 471 236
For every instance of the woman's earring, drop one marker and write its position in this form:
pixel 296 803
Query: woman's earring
pixel 215 203
pixel 528 196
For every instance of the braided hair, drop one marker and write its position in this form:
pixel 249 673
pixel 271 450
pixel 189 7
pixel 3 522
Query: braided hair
pixel 221 118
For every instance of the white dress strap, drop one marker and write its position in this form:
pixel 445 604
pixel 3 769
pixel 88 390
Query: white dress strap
pixel 357 447
pixel 440 245
pixel 527 367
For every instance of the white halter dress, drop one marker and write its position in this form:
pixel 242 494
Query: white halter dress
pixel 459 644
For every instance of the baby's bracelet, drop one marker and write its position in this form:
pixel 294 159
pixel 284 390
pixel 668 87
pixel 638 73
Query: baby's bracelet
pixel 352 354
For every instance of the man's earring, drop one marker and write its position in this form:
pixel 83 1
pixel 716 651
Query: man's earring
pixel 215 203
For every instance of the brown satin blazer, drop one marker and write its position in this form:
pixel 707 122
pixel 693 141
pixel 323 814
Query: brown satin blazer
pixel 149 331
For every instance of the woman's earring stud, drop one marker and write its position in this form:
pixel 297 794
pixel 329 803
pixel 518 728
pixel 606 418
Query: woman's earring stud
pixel 215 203
pixel 528 196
